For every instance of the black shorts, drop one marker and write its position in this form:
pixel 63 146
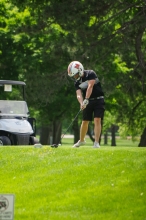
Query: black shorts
pixel 95 108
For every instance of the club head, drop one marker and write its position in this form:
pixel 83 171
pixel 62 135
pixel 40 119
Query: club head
pixel 54 145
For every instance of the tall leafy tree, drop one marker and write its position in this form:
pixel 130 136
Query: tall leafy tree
pixel 108 36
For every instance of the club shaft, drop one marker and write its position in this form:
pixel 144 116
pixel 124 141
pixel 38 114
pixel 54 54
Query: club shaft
pixel 70 124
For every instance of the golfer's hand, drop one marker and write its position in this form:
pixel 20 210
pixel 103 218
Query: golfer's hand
pixel 84 104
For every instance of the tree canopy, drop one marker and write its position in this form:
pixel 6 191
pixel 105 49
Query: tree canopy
pixel 38 39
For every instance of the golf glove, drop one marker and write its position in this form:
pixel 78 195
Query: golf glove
pixel 85 103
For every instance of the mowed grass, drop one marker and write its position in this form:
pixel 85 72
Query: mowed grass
pixel 75 184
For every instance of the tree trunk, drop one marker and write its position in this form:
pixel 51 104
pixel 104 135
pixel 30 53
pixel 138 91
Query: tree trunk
pixel 57 128
pixel 113 131
pixel 143 139
pixel 76 130
pixel 89 132
pixel 105 138
pixel 44 134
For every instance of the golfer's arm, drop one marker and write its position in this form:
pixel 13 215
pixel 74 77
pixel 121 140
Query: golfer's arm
pixel 90 88
pixel 79 96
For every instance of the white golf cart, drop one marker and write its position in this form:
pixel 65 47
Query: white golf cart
pixel 16 127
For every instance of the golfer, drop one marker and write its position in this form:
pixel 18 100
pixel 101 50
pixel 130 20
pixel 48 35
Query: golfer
pixel 91 98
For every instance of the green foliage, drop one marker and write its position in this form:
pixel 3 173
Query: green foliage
pixel 109 119
pixel 38 39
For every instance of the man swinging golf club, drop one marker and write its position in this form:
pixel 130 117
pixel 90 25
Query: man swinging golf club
pixel 91 98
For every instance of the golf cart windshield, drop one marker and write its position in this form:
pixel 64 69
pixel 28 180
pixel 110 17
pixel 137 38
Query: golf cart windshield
pixel 13 108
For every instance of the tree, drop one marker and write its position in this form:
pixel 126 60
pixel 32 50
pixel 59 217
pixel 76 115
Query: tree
pixel 107 36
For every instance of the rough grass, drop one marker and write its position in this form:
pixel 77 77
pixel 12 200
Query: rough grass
pixel 72 184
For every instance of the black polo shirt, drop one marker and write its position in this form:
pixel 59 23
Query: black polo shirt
pixel 83 84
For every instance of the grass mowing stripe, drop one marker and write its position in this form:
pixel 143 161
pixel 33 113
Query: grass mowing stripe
pixel 84 183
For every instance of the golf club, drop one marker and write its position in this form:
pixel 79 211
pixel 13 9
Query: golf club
pixel 56 145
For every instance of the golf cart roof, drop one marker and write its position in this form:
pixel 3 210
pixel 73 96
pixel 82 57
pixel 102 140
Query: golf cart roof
pixel 10 82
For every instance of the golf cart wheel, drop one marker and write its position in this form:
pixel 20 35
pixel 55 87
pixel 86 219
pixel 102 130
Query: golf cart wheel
pixel 4 140
pixel 33 140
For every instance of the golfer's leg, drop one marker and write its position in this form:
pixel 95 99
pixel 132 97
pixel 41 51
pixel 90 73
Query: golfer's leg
pixel 83 130
pixel 97 128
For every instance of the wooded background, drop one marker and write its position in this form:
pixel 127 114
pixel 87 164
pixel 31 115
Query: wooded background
pixel 38 39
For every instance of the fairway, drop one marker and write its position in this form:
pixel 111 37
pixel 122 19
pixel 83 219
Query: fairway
pixel 71 184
